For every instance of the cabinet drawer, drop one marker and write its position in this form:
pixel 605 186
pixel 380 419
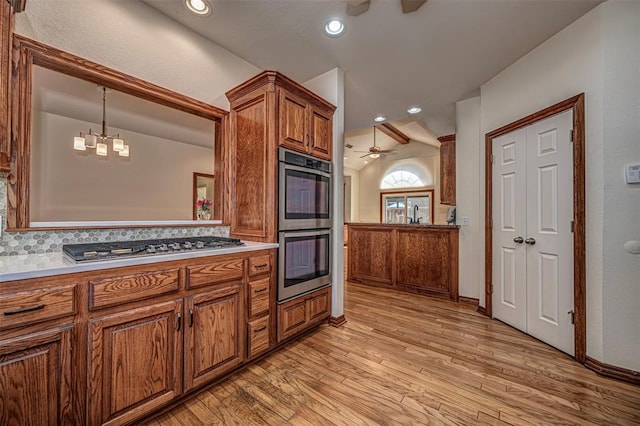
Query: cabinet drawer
pixel 258 336
pixel 259 296
pixel 27 307
pixel 129 288
pixel 259 265
pixel 211 273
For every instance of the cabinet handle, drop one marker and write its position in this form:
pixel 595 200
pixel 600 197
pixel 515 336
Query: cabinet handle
pixel 258 330
pixel 190 317
pixel 261 290
pixel 179 321
pixel 260 266
pixel 23 310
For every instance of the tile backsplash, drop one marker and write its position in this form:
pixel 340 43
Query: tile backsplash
pixel 30 242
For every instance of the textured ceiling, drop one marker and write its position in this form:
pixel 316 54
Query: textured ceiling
pixel 432 58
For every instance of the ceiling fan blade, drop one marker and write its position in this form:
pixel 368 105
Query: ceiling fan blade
pixel 357 7
pixel 409 6
pixel 366 155
pixel 387 151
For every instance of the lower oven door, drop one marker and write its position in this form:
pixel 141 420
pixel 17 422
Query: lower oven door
pixel 304 260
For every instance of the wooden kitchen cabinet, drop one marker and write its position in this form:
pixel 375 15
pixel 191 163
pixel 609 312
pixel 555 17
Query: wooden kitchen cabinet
pixel 301 313
pixel 214 334
pixel 135 362
pixel 261 291
pixel 36 376
pixel 268 111
pixel 448 169
pixel 414 258
pixel 305 127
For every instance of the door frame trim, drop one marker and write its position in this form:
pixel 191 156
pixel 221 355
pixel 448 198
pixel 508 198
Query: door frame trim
pixel 576 104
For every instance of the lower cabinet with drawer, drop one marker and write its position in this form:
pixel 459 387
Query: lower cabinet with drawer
pixel 301 313
pixel 114 346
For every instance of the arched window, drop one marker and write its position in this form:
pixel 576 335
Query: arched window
pixel 401 179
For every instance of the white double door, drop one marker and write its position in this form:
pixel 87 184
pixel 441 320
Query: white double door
pixel 532 269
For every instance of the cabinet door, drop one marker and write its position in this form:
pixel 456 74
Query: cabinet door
pixel 448 173
pixel 321 132
pixel 318 305
pixel 253 166
pixel 292 317
pixel 134 362
pixel 293 122
pixel 35 379
pixel 371 255
pixel 215 334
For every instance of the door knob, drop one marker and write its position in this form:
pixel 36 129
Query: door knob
pixel 518 240
pixel 530 241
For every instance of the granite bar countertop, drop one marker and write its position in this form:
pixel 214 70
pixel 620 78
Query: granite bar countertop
pixel 403 225
pixel 25 266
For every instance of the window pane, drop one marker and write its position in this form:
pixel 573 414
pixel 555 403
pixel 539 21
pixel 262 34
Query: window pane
pixel 394 209
pixel 418 209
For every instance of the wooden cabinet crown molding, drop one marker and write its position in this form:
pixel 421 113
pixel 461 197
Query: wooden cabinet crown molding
pixel 271 79
pixel 18 5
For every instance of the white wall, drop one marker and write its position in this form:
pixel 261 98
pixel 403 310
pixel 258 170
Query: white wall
pixel 426 168
pixel 138 40
pixel 154 183
pixel 355 194
pixel 330 86
pixel 598 55
pixel 469 184
pixel 621 143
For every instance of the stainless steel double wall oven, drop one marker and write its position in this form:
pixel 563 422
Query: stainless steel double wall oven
pixel 304 224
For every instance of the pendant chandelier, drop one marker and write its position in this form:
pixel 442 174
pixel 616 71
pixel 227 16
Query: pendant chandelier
pixel 99 142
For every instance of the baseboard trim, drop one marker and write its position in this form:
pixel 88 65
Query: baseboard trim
pixel 612 371
pixel 482 310
pixel 337 321
pixel 469 300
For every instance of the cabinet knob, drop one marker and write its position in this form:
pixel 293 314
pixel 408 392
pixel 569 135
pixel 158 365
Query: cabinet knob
pixel 530 241
pixel 518 240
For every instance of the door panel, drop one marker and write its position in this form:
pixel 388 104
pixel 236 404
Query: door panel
pixel 509 216
pixel 549 216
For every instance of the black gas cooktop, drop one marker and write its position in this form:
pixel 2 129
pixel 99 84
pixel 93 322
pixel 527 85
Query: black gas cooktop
pixel 117 249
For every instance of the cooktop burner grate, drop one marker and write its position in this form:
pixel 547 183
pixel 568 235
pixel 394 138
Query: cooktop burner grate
pixel 117 249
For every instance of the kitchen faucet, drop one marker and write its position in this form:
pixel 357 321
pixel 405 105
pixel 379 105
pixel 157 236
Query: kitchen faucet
pixel 415 211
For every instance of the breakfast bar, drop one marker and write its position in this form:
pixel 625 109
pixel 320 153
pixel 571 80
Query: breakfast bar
pixel 420 259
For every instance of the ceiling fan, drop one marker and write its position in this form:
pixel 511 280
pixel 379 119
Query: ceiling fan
pixel 375 151
pixel 358 7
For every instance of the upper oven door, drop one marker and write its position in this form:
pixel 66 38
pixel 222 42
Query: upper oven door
pixel 304 198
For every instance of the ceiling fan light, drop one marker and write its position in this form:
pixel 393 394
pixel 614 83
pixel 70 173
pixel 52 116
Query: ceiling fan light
pixel 414 110
pixel 374 156
pixel 380 119
pixel 334 27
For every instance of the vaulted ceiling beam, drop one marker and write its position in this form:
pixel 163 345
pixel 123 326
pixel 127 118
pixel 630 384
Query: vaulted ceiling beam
pixel 394 133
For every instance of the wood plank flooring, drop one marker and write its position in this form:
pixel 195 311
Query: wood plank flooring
pixel 407 359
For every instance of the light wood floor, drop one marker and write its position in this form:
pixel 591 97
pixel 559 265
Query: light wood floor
pixel 406 359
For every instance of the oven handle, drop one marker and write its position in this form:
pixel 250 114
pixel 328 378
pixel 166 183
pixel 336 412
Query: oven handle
pixel 285 166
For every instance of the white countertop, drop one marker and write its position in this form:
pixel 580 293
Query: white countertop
pixel 43 265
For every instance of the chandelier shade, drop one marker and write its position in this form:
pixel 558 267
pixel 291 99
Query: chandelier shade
pixel 99 142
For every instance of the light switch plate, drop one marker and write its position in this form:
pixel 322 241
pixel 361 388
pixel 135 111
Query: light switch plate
pixel 632 173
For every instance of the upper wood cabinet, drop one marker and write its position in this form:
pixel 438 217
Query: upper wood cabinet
pixel 448 169
pixel 305 127
pixel 268 111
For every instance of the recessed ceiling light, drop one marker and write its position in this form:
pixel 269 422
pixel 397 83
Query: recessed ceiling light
pixel 199 7
pixel 366 162
pixel 414 110
pixel 334 27
pixel 380 119
pixel 345 158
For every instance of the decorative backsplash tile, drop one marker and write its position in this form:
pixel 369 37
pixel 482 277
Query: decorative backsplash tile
pixel 31 242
